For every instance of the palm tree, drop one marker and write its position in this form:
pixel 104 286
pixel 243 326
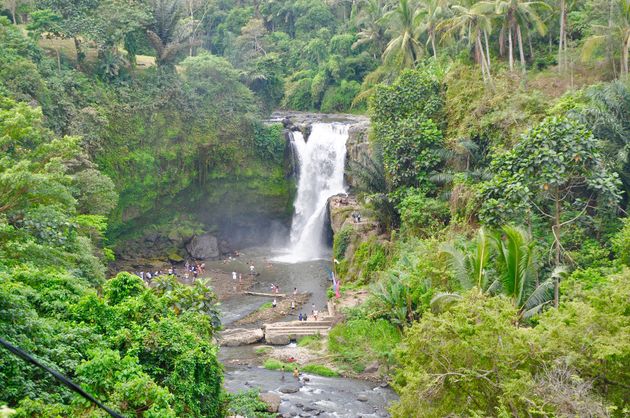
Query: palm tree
pixel 470 268
pixel 617 33
pixel 472 23
pixel 404 48
pixel 166 35
pixel 429 15
pixel 565 6
pixel 515 272
pixel 517 14
pixel 369 19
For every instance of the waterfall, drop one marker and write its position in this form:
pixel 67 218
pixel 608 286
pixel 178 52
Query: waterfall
pixel 321 169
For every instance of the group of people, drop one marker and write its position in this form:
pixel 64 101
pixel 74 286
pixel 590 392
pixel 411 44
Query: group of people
pixel 148 276
pixel 195 269
pixel 356 216
pixel 314 314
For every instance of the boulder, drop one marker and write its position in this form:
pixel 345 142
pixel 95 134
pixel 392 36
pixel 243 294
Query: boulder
pixel 241 336
pixel 289 389
pixel 272 400
pixel 362 398
pixel 372 368
pixel 203 247
pixel 277 339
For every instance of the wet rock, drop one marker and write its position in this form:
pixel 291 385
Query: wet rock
pixel 290 389
pixel 372 368
pixel 272 400
pixel 278 339
pixel 203 247
pixel 240 336
pixel 362 398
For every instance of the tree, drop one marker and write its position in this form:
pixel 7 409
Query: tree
pixel 472 23
pixel 404 48
pixel 369 19
pixel 617 32
pixel 166 33
pixel 503 262
pixel 12 6
pixel 516 15
pixel 403 115
pixel 76 20
pixel 607 113
pixel 428 17
pixel 556 166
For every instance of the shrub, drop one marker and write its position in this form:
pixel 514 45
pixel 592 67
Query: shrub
pixel 341 242
pixel 297 95
pixel 123 286
pixel 422 216
pixel 320 370
pixel 358 342
pixel 246 404
pixel 339 98
pixel 621 243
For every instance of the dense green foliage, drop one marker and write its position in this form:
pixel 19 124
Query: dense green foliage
pixel 498 174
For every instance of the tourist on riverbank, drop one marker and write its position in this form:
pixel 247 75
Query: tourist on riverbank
pixel 292 305
pixel 296 373
pixel 294 291
pixel 274 303
pixel 252 269
pixel 315 313
pixel 234 276
pixel 300 317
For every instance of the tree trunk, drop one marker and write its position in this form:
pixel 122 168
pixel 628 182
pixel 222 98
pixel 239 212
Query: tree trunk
pixel 79 50
pixel 432 35
pixel 485 36
pixel 510 49
pixel 624 54
pixel 482 59
pixel 13 15
pixel 561 44
pixel 520 47
pixel 608 51
pixel 556 235
pixel 502 42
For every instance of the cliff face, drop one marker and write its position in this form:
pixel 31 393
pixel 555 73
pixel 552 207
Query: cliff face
pixel 358 146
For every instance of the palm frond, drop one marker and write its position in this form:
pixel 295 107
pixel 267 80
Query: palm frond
pixel 442 301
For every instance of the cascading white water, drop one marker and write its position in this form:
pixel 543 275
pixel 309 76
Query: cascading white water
pixel 321 168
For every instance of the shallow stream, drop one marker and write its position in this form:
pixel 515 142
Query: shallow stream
pixel 319 396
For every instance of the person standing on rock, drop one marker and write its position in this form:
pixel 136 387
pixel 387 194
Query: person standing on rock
pixel 296 373
pixel 274 303
pixel 234 275
pixel 252 269
pixel 292 305
pixel 294 291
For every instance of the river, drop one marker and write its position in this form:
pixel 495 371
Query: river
pixel 304 263
pixel 320 396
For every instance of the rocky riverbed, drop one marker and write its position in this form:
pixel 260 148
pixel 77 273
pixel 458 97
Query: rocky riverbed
pixel 314 395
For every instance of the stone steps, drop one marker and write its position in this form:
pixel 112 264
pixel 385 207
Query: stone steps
pixel 281 333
